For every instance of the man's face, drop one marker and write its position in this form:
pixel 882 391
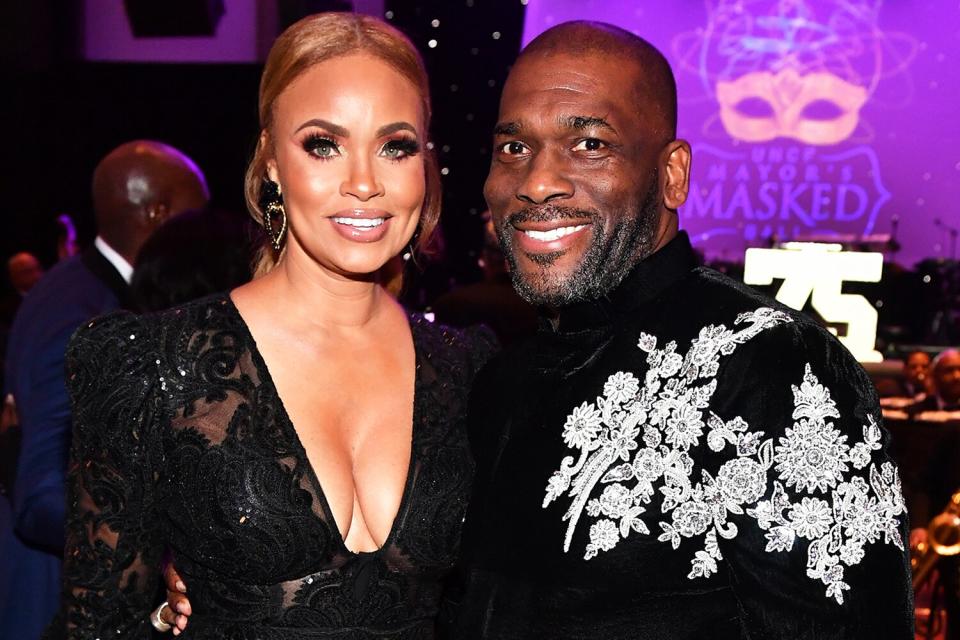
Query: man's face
pixel 947 377
pixel 574 186
pixel 917 368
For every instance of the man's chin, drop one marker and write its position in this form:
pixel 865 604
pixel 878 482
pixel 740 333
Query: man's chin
pixel 545 286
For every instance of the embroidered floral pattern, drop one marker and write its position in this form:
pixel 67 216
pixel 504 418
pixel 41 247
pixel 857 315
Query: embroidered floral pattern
pixel 636 439
pixel 582 426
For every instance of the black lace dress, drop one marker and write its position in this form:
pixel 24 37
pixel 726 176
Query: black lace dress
pixel 181 443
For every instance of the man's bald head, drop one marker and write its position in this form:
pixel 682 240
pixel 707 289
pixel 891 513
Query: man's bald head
pixel 585 149
pixel 137 186
pixel 583 38
pixel 946 375
pixel 24 271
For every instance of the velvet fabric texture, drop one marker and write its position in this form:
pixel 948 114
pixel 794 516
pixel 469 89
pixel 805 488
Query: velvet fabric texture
pixel 818 544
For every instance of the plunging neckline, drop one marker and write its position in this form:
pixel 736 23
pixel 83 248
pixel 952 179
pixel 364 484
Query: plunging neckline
pixel 266 378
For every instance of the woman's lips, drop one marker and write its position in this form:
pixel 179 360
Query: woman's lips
pixel 361 225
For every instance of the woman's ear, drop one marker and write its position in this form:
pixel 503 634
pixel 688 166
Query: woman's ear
pixel 266 148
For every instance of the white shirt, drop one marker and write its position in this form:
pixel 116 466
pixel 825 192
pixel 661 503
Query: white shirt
pixel 124 268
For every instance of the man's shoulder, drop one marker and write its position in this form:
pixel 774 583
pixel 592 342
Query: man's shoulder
pixel 706 298
pixel 719 294
pixel 64 298
pixel 776 333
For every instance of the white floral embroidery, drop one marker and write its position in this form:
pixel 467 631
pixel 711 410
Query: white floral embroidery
pixel 582 426
pixel 621 387
pixel 813 456
pixel 636 439
pixel 811 518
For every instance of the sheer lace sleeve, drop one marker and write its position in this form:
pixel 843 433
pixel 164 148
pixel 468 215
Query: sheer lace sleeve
pixel 483 345
pixel 112 546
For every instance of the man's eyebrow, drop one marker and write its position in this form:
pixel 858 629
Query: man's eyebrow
pixel 585 122
pixel 506 129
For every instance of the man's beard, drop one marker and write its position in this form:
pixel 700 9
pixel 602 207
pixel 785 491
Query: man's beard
pixel 608 259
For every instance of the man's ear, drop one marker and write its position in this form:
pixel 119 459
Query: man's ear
pixel 675 161
pixel 156 213
pixel 266 147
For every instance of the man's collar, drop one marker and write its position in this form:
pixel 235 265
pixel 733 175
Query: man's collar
pixel 644 283
pixel 124 268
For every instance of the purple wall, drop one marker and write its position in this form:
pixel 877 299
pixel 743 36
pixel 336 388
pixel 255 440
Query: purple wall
pixel 244 34
pixel 807 118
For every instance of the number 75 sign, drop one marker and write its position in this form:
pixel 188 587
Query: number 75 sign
pixel 816 271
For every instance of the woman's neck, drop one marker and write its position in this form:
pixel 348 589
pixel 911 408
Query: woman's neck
pixel 311 294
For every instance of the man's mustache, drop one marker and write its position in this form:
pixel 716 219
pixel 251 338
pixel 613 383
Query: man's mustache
pixel 548 213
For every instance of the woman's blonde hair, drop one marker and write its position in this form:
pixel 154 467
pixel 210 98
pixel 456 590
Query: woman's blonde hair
pixel 313 40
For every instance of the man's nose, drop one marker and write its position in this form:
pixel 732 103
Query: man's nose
pixel 546 180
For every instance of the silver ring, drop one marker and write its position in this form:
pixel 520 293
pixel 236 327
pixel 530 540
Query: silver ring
pixel 157 621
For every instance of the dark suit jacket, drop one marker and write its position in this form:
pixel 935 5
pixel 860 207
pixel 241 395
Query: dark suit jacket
pixel 32 525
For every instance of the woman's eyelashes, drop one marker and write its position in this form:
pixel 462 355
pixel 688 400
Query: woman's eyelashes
pixel 324 147
pixel 321 146
pixel 400 148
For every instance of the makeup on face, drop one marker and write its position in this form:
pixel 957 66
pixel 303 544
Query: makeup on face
pixel 362 225
pixel 349 158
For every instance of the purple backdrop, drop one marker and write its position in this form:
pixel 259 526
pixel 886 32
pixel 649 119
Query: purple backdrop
pixel 807 118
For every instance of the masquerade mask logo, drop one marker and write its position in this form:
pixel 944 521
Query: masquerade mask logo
pixel 790 79
pixel 791 100
pixel 791 69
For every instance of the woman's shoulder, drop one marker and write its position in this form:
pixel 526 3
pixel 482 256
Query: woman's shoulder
pixel 119 339
pixel 471 346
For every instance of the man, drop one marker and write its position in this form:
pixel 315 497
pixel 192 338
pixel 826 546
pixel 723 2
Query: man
pixel 135 188
pixel 672 455
pixel 939 475
pixel 916 374
pixel 914 385
pixel 25 271
pixel 946 385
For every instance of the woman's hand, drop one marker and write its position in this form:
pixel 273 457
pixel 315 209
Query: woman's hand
pixel 178 611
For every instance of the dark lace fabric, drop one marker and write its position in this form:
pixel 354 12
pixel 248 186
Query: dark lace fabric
pixel 181 443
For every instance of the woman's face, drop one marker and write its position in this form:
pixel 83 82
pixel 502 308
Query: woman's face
pixel 347 137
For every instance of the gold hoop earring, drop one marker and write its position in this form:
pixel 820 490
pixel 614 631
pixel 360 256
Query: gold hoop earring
pixel 271 204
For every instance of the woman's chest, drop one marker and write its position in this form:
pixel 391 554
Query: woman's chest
pixel 239 493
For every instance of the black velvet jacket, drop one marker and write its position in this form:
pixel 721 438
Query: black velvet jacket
pixel 684 459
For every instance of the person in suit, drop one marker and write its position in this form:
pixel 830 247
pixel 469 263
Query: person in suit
pixel 136 187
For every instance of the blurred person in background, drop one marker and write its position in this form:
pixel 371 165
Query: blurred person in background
pixel 941 475
pixel 914 383
pixel 136 187
pixel 196 254
pixel 24 270
pixel 493 301
pixel 945 395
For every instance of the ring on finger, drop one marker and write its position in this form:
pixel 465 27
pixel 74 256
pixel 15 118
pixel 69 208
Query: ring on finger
pixel 156 618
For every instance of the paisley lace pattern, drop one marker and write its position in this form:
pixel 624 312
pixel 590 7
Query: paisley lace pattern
pixel 181 442
pixel 638 439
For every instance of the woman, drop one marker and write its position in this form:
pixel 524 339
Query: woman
pixel 297 444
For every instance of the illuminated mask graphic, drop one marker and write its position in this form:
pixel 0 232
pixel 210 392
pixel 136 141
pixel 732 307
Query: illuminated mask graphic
pixel 816 108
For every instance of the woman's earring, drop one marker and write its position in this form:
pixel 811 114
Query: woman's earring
pixel 271 204
pixel 410 255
